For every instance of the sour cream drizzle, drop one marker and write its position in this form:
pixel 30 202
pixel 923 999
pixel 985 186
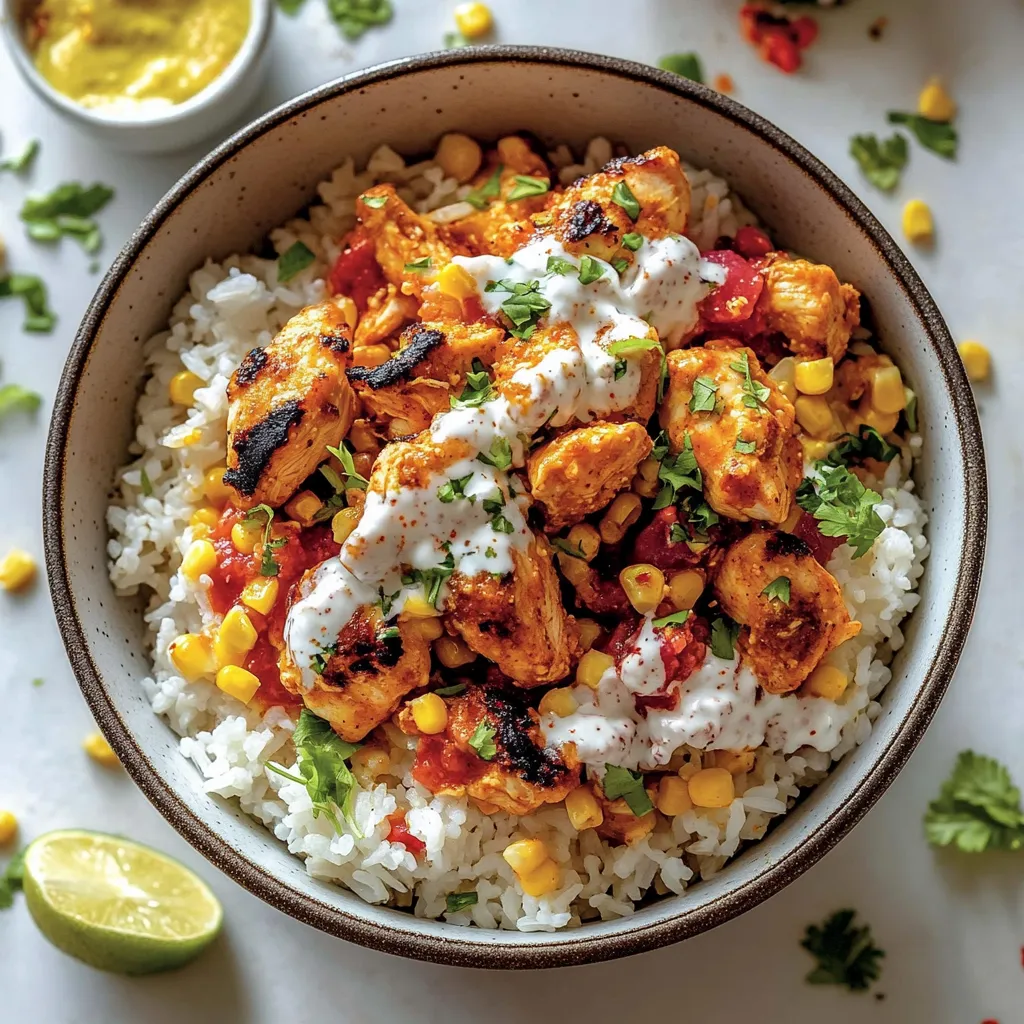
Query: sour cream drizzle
pixel 413 529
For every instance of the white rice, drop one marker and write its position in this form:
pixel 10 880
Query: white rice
pixel 231 307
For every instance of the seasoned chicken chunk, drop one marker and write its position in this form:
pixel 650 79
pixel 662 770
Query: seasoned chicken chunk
pixel 741 433
pixel 385 315
pixel 287 402
pixel 580 472
pixel 619 824
pixel 492 750
pixel 366 671
pixel 517 621
pixel 805 302
pixel 783 640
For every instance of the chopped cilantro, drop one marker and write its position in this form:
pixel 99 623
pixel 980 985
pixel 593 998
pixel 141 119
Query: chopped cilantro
pixel 501 525
pixel 631 346
pixel 561 544
pixel 145 484
pixel 621 782
pixel 490 189
pixel 268 567
pixel 677 535
pixel 451 691
pixel 846 955
pixel 843 506
pixel 490 553
pixel 455 488
pixel 745 447
pixel 938 136
pixel 499 455
pixel 675 619
pixel 620 368
pixel 724 633
pixel 11 879
pixel 677 472
pixel 38 681
pixel 590 269
pixel 525 306
pixel 559 265
pixel 374 202
pixel 525 187
pixel 492 506
pixel 755 394
pixel 703 399
pixel 67 210
pixel 702 515
pixel 477 390
pixel 777 590
pixel 868 443
pixel 30 288
pixel 432 579
pixel 318 663
pixel 910 412
pixel 344 456
pixel 354 17
pixel 293 261
pixel 21 162
pixel 386 601
pixel 482 741
pixel 882 162
pixel 15 398
pixel 419 266
pixel 632 241
pixel 456 901
pixel 688 65
pixel 623 196
pixel 620 265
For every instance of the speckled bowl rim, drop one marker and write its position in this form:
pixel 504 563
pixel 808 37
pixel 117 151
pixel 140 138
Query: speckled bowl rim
pixel 579 945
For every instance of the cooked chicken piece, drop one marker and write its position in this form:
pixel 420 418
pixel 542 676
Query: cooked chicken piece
pixel 517 621
pixel 782 640
pixel 805 302
pixel 367 673
pixel 740 481
pixel 588 220
pixel 520 775
pixel 581 471
pixel 386 314
pixel 287 402
pixel 401 237
pixel 620 824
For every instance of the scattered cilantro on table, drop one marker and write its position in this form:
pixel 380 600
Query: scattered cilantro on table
pixel 938 136
pixel 353 17
pixel 67 210
pixel 39 318
pixel 687 65
pixel 15 398
pixel 11 879
pixel 881 161
pixel 22 161
pixel 846 955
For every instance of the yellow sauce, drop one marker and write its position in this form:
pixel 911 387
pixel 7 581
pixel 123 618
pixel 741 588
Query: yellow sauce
pixel 135 55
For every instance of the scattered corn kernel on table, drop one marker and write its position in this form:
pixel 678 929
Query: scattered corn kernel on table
pixel 952 925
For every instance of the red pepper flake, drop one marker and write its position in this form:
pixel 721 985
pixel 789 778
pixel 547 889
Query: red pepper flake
pixel 778 37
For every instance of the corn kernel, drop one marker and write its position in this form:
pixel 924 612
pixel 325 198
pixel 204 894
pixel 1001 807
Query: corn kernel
pixel 887 393
pixel 525 855
pixel 237 633
pixel 456 281
pixel 673 796
pixel 303 507
pixel 814 450
pixel 473 20
pixel 192 655
pixel 206 516
pixel 199 560
pixel 644 586
pixel 589 632
pixel 883 422
pixel 370 355
pixel 8 827
pixel 788 390
pixel 430 713
pixel 17 569
pixel 735 762
pixel 827 681
pixel 917 222
pixel 585 539
pixel 814 376
pixel 459 156
pixel 935 103
pixel 100 750
pixel 343 523
pixel 622 513
pixel 575 570
pixel 541 880
pixel 559 702
pixel 217 492
pixel 453 653
pixel 245 535
pixel 418 607
pixel 368 763
pixel 429 629
pixel 194 436
pixel 261 594
pixel 684 588
pixel 583 809
pixel 977 360
pixel 238 683
pixel 646 482
pixel 592 666
pixel 814 414
pixel 711 787
pixel 362 437
pixel 183 386
pixel 514 152
pixel 784 371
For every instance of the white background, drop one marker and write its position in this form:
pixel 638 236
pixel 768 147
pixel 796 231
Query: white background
pixel 953 926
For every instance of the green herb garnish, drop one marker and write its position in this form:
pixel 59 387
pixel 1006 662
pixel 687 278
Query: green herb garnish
pixel 451 691
pixel 525 187
pixel 455 488
pixel 11 879
pixel 623 196
pixel 938 136
pixel 632 241
pixel 846 955
pixel 724 633
pixel 432 579
pixel 675 619
pixel 620 265
pixel 424 263
pixel 374 202
pixel 477 390
pixel 868 443
pixel 843 506
pixel 590 269
pixel 490 189
pixel 22 161
pixel 15 398
pixel 32 292
pixel 745 447
pixel 631 346
pixel 560 265
pixel 703 399
pixel 354 17
pixel 67 210
pixel 268 567
pixel 499 455
pixel 561 544
pixel 755 394
pixel 344 456
pixel 686 64
pixel 145 484
pixel 525 306
pixel 502 525
pixel 482 741
pixel 882 162
pixel 777 590
pixel 629 785
pixel 677 472
pixel 293 261
pixel 456 901
pixel 318 663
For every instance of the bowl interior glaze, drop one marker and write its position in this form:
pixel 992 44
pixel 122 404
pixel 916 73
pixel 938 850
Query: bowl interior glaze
pixel 268 172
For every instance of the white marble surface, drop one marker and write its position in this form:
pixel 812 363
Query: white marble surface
pixel 953 926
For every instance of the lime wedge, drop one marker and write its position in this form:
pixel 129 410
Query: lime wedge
pixel 117 905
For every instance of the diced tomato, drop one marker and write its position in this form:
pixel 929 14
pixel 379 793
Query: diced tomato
pixel 779 49
pixel 400 834
pixel 356 272
pixel 822 547
pixel 654 546
pixel 440 764
pixel 751 242
pixel 779 38
pixel 803 31
pixel 734 301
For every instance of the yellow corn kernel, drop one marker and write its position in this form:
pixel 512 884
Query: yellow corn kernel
pixel 684 588
pixel 399 427
pixel 473 20
pixel 453 653
pixel 429 629
pixel 456 281
pixel 17 569
pixel 735 762
pixel 589 632
pixel 814 414
pixel 192 655
pixel 348 309
pixel 261 594
pixel 784 371
pixel 827 681
pixel 194 436
pixel 100 750
pixel 541 880
pixel 711 787
pixel 343 523
pixel 418 607
pixel 575 570
pixel 673 796
pixel 236 632
pixel 368 763
pixel 363 461
pixel 887 392
pixel 583 809
pixel 977 360
pixel 788 389
pixel 303 507
pixel 917 222
pixel 183 386
pixel 622 513
pixel 592 666
pixel 459 156
pixel 430 713
pixel 238 683
pixel 525 855
pixel 370 355
pixel 8 827
pixel 814 450
pixel 245 535
pixel 362 437
pixel 883 422
pixel 217 492
pixel 207 515
pixel 935 103
pixel 559 702
pixel 644 586
pixel 646 482
pixel 199 560
pixel 814 376
pixel 585 539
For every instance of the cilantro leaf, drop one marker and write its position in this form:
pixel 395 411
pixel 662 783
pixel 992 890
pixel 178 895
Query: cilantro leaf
pixel 590 269
pixel 677 535
pixel 318 663
pixel 778 590
pixel 268 544
pixel 688 65
pixel 677 472
pixel 456 901
pixel 938 136
pixel 703 399
pixel 30 288
pixel 629 785
pixel 724 633
pixel 15 398
pixel 868 443
pixel 675 619
pixel 490 189
pixel 145 484
pixel 843 506
pixel 526 186
pixel 11 879
pixel 293 261
pixel 755 394
pixel 67 210
pixel 745 447
pixel 477 390
pixel 561 544
pixel 354 17
pixel 524 308
pixel 451 691
pixel 499 455
pixel 419 266
pixel 560 265
pixel 455 488
pixel 881 162
pixel 632 241
pixel 623 196
pixel 21 162
pixel 432 579
pixel 702 516
pixel 846 955
pixel 482 741
pixel 344 456
pixel 631 346
pixel 374 202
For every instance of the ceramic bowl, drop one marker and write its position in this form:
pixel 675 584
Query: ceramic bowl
pixel 179 126
pixel 265 174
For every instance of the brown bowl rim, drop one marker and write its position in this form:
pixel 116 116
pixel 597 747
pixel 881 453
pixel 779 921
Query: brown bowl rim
pixel 478 949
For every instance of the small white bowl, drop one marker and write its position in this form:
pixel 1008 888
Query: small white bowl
pixel 177 126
